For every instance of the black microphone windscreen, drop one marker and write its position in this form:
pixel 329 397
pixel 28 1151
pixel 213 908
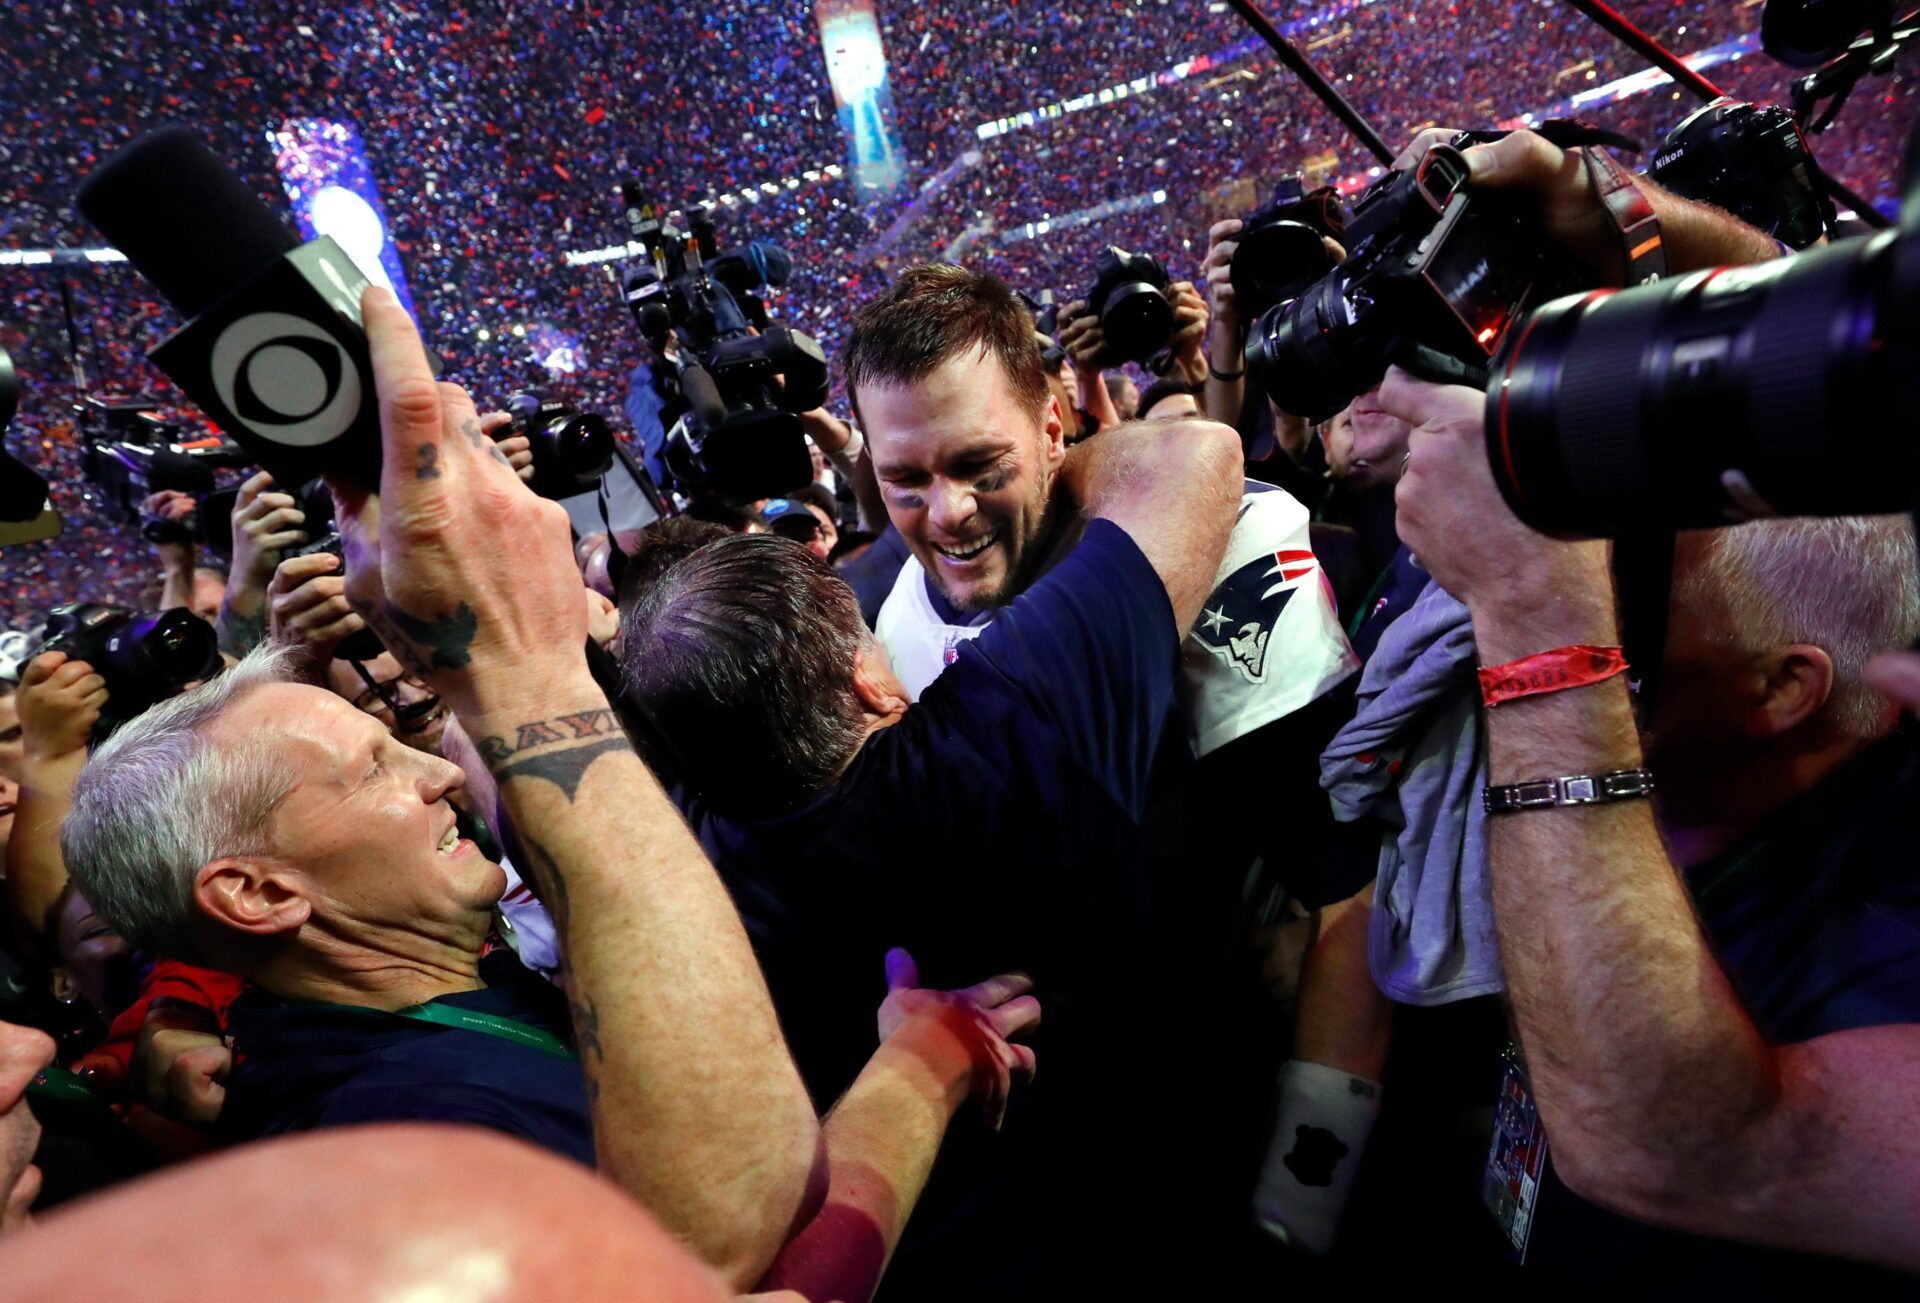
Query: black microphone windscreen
pixel 703 396
pixel 183 219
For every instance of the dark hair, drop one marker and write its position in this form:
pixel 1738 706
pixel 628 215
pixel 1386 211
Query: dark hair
pixel 658 547
pixel 1160 389
pixel 742 653
pixel 933 312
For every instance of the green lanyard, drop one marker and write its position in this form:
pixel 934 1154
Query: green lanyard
pixel 68 1087
pixel 487 1024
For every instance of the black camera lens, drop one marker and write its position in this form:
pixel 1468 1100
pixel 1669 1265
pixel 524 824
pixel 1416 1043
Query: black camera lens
pixel 1313 354
pixel 1783 388
pixel 152 656
pixel 1808 33
pixel 582 443
pixel 1137 321
pixel 1276 262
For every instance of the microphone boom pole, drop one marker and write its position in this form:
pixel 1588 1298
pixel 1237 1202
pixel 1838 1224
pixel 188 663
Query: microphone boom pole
pixel 1290 55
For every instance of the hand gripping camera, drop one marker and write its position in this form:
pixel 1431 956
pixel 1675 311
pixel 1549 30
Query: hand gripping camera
pixel 144 658
pixel 1129 296
pixel 1434 278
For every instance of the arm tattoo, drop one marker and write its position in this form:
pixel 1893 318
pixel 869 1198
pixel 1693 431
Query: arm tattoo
pixel 426 645
pixel 552 887
pixel 239 634
pixel 524 753
pixel 429 462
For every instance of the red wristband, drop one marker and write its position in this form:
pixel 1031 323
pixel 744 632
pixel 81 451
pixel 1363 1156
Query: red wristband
pixel 1550 671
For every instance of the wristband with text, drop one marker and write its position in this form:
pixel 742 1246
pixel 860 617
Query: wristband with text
pixel 1550 671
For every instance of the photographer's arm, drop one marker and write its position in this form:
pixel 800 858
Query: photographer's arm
pixel 698 1110
pixel 264 522
pixel 60 701
pixel 1660 1097
pixel 842 445
pixel 1083 339
pixel 1174 487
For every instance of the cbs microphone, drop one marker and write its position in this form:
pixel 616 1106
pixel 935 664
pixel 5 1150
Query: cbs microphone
pixel 273 349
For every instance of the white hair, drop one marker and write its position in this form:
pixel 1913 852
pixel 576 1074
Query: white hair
pixel 157 801
pixel 1845 584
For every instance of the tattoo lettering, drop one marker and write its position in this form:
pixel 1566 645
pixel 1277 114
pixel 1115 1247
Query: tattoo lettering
pixel 443 644
pixel 429 462
pixel 565 768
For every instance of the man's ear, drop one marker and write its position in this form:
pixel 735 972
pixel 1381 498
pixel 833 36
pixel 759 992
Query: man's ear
pixel 60 982
pixel 1053 432
pixel 1794 684
pixel 249 893
pixel 875 684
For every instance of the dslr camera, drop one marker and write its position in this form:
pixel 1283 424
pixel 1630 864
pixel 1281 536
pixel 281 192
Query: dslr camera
pixel 1129 296
pixel 743 380
pixel 1434 278
pixel 1281 247
pixel 145 658
pixel 1751 160
pixel 571 449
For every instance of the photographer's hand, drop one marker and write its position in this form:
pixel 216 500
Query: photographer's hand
pixel 516 448
pixel 265 522
pixel 176 559
pixel 1188 343
pixel 1450 513
pixel 1086 343
pixel 308 610
pixel 1696 235
pixel 60 700
pixel 470 580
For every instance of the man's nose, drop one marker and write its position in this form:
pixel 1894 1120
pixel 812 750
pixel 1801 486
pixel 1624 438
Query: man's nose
pixel 952 505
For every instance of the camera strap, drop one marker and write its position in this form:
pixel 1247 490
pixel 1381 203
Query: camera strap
pixel 1641 247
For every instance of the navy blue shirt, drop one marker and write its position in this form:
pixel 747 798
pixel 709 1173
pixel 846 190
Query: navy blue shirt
pixel 998 826
pixel 301 1066
pixel 1816 920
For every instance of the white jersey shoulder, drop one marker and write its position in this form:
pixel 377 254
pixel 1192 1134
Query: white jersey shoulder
pixel 1268 642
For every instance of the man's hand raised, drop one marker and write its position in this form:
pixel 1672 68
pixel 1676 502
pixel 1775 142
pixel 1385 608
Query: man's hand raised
pixel 466 575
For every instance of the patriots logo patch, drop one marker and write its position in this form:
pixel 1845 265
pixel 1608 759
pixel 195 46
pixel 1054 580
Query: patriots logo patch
pixel 1245 607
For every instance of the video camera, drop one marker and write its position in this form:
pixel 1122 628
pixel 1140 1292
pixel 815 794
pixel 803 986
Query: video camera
pixel 141 453
pixel 1434 278
pixel 145 658
pixel 1751 160
pixel 1281 248
pixel 1783 388
pixel 1129 296
pixel 744 379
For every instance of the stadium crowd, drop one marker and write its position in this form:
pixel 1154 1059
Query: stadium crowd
pixel 1048 845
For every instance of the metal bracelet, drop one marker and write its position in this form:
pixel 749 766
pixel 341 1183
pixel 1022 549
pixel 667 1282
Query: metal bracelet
pixel 1572 789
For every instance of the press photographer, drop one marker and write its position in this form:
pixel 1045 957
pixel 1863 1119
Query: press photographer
pixel 1715 989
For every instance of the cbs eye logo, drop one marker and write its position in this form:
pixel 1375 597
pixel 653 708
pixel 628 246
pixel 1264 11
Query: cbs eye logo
pixel 289 380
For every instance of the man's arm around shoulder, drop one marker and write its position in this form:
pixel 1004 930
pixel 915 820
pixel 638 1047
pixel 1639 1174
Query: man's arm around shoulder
pixel 1174 487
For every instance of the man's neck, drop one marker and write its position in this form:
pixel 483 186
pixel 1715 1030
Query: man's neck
pixel 392 972
pixel 1713 813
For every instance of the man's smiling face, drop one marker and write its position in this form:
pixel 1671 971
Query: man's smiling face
pixel 967 468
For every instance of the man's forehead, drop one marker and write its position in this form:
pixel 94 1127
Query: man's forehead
pixel 295 714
